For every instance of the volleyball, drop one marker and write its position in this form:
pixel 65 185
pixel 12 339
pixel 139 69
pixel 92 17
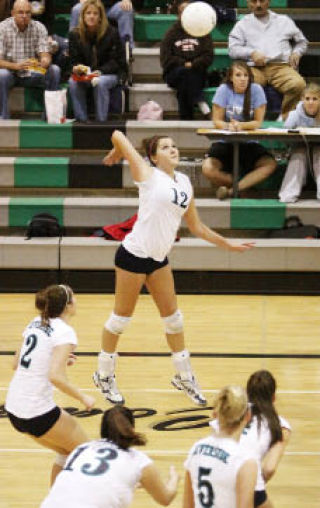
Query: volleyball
pixel 198 19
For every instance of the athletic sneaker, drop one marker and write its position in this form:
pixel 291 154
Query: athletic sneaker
pixel 108 387
pixel 190 388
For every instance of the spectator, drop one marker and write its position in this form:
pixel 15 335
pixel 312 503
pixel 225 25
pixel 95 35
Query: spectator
pixel 23 47
pixel 272 44
pixel 96 44
pixel 120 11
pixel 306 114
pixel 185 60
pixel 239 104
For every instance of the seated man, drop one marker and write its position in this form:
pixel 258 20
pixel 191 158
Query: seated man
pixel 23 47
pixel 272 44
pixel 121 11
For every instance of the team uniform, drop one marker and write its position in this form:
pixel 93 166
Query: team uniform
pixel 30 404
pixel 98 474
pixel 162 203
pixel 257 440
pixel 213 464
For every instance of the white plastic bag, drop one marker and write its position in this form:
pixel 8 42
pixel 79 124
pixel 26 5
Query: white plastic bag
pixel 56 105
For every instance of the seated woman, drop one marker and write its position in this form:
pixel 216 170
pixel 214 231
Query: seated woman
pixel 238 105
pixel 97 45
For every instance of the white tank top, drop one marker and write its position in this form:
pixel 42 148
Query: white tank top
pixel 30 391
pixel 256 441
pixel 162 203
pixel 213 464
pixel 97 474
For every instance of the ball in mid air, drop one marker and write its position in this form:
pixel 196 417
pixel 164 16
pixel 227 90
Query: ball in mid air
pixel 198 19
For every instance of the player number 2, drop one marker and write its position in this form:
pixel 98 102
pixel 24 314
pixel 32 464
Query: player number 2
pixel 206 494
pixel 180 198
pixel 31 342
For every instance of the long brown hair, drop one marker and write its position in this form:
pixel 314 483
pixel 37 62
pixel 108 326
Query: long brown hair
pixel 231 406
pixel 261 388
pixel 117 425
pixel 103 25
pixel 247 94
pixel 52 301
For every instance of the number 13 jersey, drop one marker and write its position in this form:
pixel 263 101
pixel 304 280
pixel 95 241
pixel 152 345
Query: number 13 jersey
pixel 98 474
pixel 162 203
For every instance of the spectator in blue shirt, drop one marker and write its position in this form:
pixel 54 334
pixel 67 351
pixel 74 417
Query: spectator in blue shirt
pixel 238 105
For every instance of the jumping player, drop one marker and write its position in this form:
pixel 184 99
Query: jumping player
pixel 165 196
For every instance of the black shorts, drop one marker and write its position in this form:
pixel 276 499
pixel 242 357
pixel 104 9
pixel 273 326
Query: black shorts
pixel 131 263
pixel 249 154
pixel 38 425
pixel 260 497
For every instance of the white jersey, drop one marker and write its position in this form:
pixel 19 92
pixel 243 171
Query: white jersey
pixel 162 203
pixel 213 464
pixel 256 441
pixel 97 474
pixel 30 392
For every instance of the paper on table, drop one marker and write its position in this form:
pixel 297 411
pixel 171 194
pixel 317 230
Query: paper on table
pixel 309 130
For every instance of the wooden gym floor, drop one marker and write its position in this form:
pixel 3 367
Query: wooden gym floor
pixel 230 337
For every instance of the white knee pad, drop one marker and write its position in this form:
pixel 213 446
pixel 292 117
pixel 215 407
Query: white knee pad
pixel 116 324
pixel 174 323
pixel 61 459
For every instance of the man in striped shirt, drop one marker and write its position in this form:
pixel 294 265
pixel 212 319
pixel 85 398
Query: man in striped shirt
pixel 24 45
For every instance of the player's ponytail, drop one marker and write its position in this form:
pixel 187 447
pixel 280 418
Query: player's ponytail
pixel 52 301
pixel 261 388
pixel 117 425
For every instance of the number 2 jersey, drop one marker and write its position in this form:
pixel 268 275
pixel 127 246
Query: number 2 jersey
pixel 162 203
pixel 30 392
pixel 97 474
pixel 213 464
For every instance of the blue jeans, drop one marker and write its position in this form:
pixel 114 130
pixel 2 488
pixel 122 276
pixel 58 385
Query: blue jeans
pixel 9 79
pixel 101 94
pixel 123 18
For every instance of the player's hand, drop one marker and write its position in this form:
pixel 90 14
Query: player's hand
pixel 294 60
pixel 242 247
pixel 258 58
pixel 88 402
pixel 113 157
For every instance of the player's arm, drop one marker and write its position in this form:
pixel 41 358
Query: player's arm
pixel 123 149
pixel 246 482
pixel 162 492
pixel 58 375
pixel 188 495
pixel 199 229
pixel 273 456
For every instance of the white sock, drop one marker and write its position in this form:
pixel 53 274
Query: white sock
pixel 181 362
pixel 107 363
pixel 204 108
